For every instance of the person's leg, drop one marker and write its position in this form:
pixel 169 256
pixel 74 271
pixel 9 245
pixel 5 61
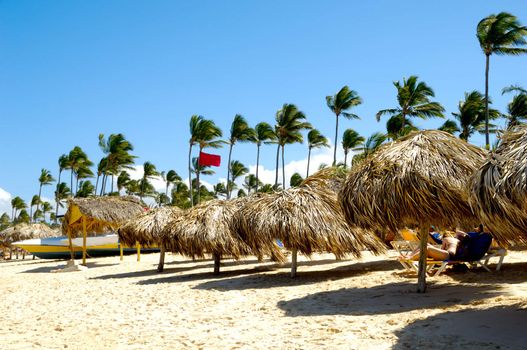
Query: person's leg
pixel 431 252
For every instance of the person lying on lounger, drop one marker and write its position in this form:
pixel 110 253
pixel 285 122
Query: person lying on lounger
pixel 452 248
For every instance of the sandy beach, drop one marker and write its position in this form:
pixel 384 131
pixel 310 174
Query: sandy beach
pixel 348 304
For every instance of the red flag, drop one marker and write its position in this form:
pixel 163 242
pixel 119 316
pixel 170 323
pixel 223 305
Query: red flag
pixel 206 159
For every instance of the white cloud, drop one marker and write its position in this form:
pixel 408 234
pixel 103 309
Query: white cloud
pixel 5 202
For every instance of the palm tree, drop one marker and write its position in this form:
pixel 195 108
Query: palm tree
pixel 501 34
pixel 240 131
pixel 414 101
pixel 471 115
pixel 241 193
pixel 449 126
pixel 149 171
pixel 44 179
pixel 395 129
pixel 237 170
pixel 314 140
pixel 46 208
pixel 86 189
pixel 203 132
pixel 263 133
pixel 17 204
pixel 171 178
pixel 351 140
pixel 118 157
pixel 199 170
pixel 371 145
pixel 103 163
pixel 339 104
pixel 132 187
pixel 34 202
pixel 517 108
pixel 78 162
pixel 180 195
pixel 220 190
pixel 122 181
pixel 23 216
pixel 251 183
pixel 296 180
pixel 290 122
pixel 4 221
pixel 267 188
pixel 61 193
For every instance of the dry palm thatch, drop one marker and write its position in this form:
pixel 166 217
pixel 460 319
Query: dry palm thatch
pixel 499 188
pixel 205 229
pixel 146 229
pixel 101 213
pixel 422 177
pixel 332 178
pixel 306 220
pixel 26 231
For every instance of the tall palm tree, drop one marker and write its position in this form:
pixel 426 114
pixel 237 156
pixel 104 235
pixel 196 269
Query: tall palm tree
pixel 122 181
pixel 290 122
pixel 180 195
pixel 314 140
pixel 263 133
pixel 339 104
pixel 44 179
pixel 34 201
pixel 208 138
pixel 501 34
pixel 46 208
pixel 61 193
pixel 414 101
pixel 517 108
pixel 103 163
pixel 237 170
pixel 118 157
pixel 17 204
pixel 149 171
pixel 471 115
pixel 240 132
pixel 351 140
pixel 171 178
pixel 23 216
pixel 220 190
pixel 78 162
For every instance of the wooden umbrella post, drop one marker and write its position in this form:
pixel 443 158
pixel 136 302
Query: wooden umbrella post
pixel 421 275
pixel 70 243
pixel 217 258
pixel 83 241
pixel 294 262
pixel 138 251
pixel 161 264
pixel 121 250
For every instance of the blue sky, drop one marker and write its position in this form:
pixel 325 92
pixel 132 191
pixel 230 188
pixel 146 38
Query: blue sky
pixel 73 69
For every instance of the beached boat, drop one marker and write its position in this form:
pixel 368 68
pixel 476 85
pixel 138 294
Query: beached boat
pixel 58 247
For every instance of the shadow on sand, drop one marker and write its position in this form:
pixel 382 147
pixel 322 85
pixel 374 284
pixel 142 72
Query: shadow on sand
pixel 494 328
pixel 281 279
pixel 385 299
pixel 45 269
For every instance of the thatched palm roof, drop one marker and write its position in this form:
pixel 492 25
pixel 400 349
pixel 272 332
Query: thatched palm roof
pixel 499 188
pixel 146 229
pixel 332 178
pixel 305 219
pixel 102 213
pixel 26 231
pixel 420 178
pixel 206 229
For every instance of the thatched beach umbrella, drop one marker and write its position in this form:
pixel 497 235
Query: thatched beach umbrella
pixel 306 220
pixel 205 229
pixel 421 178
pixel 25 231
pixel 331 178
pixel 98 215
pixel 146 229
pixel 499 188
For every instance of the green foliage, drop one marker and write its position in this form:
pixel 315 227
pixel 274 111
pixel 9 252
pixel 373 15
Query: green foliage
pixel 296 180
pixel 86 189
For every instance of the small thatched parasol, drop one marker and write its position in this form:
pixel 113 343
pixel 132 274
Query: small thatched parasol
pixel 421 178
pixel 499 188
pixel 98 215
pixel 206 229
pixel 332 178
pixel 146 229
pixel 25 231
pixel 306 220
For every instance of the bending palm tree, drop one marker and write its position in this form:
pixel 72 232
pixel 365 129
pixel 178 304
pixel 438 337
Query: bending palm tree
pixel 208 137
pixel 263 133
pixel 122 180
pixel 118 157
pixel 62 192
pixel 351 140
pixel 339 104
pixel 44 179
pixel 46 208
pixel 237 170
pixel 414 101
pixel 314 140
pixel 171 178
pixel 34 202
pixel 517 108
pixel 240 131
pixel 501 34
pixel 17 204
pixel 149 171
pixel 288 129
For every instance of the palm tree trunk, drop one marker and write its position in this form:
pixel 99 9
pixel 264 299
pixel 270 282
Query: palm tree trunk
pixel 283 167
pixel 197 176
pixel 228 172
pixel 308 161
pixel 71 181
pixel 39 192
pixel 257 161
pixel 190 176
pixel 277 164
pixel 96 184
pixel 487 139
pixel 336 138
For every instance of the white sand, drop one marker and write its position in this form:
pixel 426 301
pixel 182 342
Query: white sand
pixel 366 304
